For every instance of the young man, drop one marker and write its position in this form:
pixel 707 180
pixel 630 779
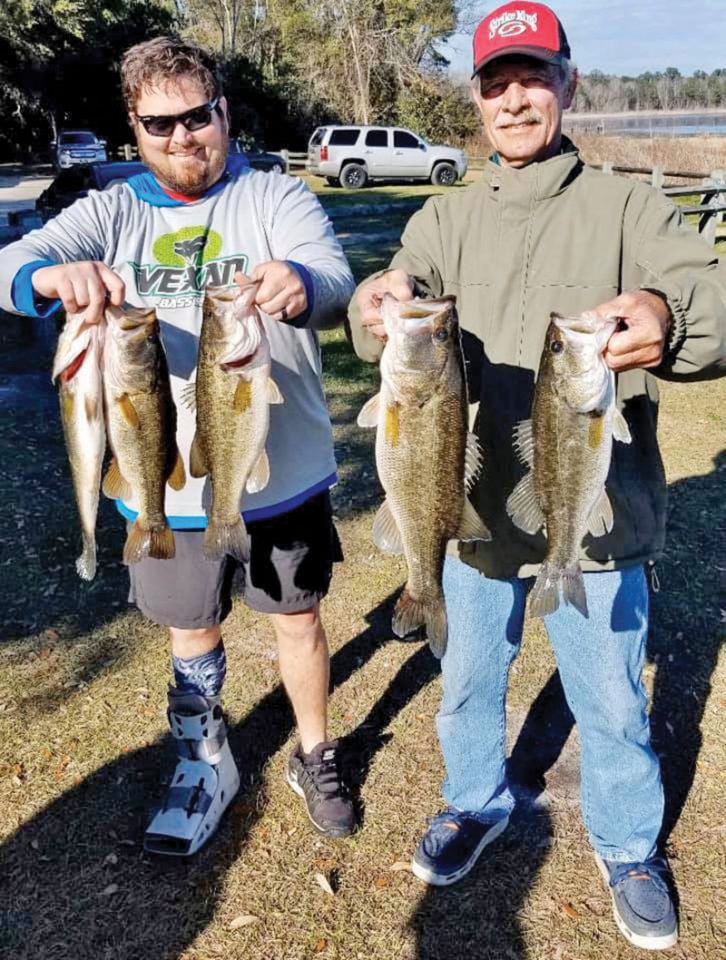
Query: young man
pixel 542 232
pixel 197 218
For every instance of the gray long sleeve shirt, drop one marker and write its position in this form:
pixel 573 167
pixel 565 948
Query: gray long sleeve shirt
pixel 167 250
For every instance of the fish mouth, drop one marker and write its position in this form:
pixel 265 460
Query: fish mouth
pixel 413 317
pixel 585 323
pixel 67 365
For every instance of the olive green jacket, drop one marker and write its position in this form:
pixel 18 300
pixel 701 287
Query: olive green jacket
pixel 561 236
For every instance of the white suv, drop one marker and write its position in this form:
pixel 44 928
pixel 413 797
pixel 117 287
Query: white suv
pixel 77 146
pixel 353 155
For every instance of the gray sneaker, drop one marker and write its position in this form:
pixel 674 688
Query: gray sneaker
pixel 642 902
pixel 318 778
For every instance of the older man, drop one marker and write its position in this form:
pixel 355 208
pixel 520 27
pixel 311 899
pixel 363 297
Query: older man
pixel 543 232
pixel 201 217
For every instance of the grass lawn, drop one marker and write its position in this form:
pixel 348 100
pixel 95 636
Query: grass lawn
pixel 83 734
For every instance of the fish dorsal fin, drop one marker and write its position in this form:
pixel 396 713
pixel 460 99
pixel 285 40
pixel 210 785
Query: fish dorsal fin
pixel 524 442
pixel 368 417
pixel 197 460
pixel 128 411
pixel 601 518
pixel 177 477
pixel 472 460
pixel 260 475
pixel 621 431
pixel 188 396
pixel 471 525
pixel 273 392
pixel 386 535
pixel 522 506
pixel 114 485
pixel 242 396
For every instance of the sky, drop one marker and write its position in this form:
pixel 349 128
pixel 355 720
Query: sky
pixel 623 37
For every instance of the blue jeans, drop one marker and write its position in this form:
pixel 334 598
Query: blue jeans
pixel 600 660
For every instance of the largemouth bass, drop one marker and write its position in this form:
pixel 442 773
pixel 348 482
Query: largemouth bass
pixel 568 445
pixel 233 394
pixel 425 456
pixel 141 421
pixel 77 368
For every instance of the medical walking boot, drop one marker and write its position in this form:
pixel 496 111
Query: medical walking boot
pixel 204 782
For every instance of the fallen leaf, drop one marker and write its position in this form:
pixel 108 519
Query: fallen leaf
pixel 320 945
pixel 113 835
pixel 570 911
pixel 44 653
pixel 400 865
pixel 110 890
pixel 381 882
pixel 127 843
pixel 34 844
pixel 243 920
pixel 111 859
pixel 46 753
pixel 324 883
pixel 51 634
pixel 325 863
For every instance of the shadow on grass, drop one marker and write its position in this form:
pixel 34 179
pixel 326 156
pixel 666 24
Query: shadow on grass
pixel 56 877
pixel 479 915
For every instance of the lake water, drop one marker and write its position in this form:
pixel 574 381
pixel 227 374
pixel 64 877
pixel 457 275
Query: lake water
pixel 651 125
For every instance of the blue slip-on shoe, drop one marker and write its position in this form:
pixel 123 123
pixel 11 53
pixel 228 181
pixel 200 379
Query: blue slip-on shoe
pixel 642 902
pixel 452 845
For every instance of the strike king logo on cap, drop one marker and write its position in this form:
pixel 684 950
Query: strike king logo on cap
pixel 512 23
pixel 529 29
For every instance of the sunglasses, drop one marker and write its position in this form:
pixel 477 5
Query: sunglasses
pixel 191 120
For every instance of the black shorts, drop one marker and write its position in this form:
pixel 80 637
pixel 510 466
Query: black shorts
pixel 289 570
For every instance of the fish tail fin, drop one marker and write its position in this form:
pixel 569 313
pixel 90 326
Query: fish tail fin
pixel 545 598
pixel 86 563
pixel 163 546
pixel 157 542
pixel 227 538
pixel 411 613
pixel 573 589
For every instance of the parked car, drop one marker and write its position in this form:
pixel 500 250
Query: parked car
pixel 354 155
pixel 258 158
pixel 77 147
pixel 75 182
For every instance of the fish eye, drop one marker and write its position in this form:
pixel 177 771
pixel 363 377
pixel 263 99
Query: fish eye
pixel 441 334
pixel 557 346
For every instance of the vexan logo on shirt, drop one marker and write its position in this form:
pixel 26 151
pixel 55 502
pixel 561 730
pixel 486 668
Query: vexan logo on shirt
pixel 187 262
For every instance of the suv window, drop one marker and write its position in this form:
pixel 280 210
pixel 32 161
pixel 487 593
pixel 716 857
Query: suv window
pixel 377 138
pixel 403 139
pixel 77 138
pixel 343 138
pixel 317 137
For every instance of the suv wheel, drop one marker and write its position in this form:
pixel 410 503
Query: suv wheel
pixel 353 176
pixel 444 175
pixel 333 181
pixel 277 168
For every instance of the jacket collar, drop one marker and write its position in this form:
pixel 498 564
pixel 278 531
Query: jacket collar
pixel 545 179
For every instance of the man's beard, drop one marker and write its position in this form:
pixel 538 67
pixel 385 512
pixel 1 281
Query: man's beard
pixel 193 182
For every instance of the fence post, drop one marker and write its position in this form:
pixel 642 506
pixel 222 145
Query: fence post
pixel 127 151
pixel 285 154
pixel 607 166
pixel 657 178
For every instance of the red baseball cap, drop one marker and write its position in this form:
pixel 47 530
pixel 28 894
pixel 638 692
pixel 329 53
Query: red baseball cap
pixel 530 29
